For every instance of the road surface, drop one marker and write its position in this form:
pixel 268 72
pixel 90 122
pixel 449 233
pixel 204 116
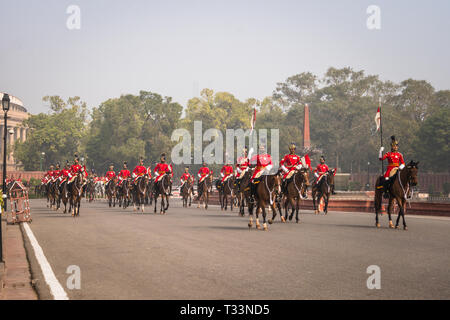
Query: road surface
pixel 191 253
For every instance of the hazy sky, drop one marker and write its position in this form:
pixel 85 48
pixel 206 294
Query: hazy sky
pixel 176 48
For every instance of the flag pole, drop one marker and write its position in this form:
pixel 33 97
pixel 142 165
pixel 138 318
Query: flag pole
pixel 381 133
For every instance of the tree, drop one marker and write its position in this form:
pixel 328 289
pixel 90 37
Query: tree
pixel 59 133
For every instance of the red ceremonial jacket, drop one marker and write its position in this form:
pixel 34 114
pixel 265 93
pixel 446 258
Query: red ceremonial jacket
pixel 321 169
pixel 139 170
pixel 290 161
pixel 124 173
pixel 203 171
pixel 75 168
pixel 110 175
pixel 261 160
pixel 185 177
pixel 395 159
pixel 162 168
pixel 227 170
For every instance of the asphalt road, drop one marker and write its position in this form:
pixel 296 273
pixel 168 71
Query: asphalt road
pixel 196 254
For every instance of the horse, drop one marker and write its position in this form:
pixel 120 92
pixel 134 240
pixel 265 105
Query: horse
pixel 124 193
pixel 162 187
pixel 99 189
pixel 294 192
pixel 90 190
pixel 203 191
pixel 150 191
pixel 227 192
pixel 75 193
pixel 243 192
pixel 53 192
pixel 268 186
pixel 111 192
pixel 323 189
pixel 186 192
pixel 400 190
pixel 64 194
pixel 139 191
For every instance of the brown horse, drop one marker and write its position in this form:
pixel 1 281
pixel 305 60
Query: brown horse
pixel 203 191
pixel 227 192
pixel 139 191
pixel 111 191
pixel 186 191
pixel 323 189
pixel 399 191
pixel 267 189
pixel 243 192
pixel 295 191
pixel 64 194
pixel 162 187
pixel 76 192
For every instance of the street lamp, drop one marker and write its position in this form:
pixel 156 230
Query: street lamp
pixel 42 158
pixel 5 106
pixel 368 177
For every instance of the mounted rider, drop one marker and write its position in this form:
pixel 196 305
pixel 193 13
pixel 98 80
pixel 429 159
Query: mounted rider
pixel 124 173
pixel 162 168
pixel 65 172
pixel 320 170
pixel 289 164
pixel 263 163
pixel 395 163
pixel 186 176
pixel 139 171
pixel 227 171
pixel 243 163
pixel 110 175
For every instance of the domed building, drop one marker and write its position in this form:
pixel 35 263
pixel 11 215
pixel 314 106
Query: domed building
pixel 16 131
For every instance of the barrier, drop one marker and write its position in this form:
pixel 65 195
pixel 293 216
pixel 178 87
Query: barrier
pixel 20 204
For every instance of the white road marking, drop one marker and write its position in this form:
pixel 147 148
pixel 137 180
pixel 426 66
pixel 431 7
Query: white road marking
pixel 55 287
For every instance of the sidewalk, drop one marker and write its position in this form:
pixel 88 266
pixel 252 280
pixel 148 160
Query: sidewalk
pixel 15 278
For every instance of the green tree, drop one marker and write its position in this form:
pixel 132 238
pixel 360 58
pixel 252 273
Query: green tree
pixel 59 133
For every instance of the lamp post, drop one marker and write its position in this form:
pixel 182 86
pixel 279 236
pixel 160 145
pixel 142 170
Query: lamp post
pixel 5 105
pixel 42 158
pixel 368 176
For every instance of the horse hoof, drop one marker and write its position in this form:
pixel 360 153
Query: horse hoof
pixel 258 227
pixel 265 227
pixel 270 221
pixel 378 225
pixel 283 219
pixel 316 212
pixel 391 225
pixel 397 227
pixel 290 218
pixel 250 225
pixel 405 228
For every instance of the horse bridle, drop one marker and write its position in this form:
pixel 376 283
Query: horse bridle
pixel 301 186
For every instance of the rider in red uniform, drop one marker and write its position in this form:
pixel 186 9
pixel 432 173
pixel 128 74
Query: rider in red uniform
pixel 186 176
pixel 162 168
pixel 110 174
pixel 203 172
pixel 140 170
pixel 227 171
pixel 243 164
pixel 124 173
pixel 264 164
pixel 321 169
pixel 289 163
pixel 395 161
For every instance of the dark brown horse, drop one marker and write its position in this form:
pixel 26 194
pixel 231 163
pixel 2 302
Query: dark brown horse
pixel 139 191
pixel 64 194
pixel 76 192
pixel 243 192
pixel 187 191
pixel 323 189
pixel 111 191
pixel 295 191
pixel 203 191
pixel 162 188
pixel 400 191
pixel 227 193
pixel 124 193
pixel 267 189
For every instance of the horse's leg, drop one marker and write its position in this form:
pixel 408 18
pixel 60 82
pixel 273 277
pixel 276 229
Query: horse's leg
pixel 292 203
pixel 264 218
pixel 156 200
pixel 285 205
pixel 313 194
pixel 391 206
pixel 326 197
pixel 402 212
pixel 167 203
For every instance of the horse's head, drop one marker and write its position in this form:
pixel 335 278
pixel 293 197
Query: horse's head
pixel 277 183
pixel 412 171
